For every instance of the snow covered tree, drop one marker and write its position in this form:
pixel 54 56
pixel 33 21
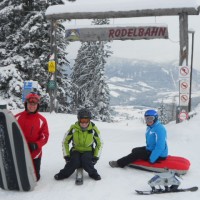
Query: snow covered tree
pixel 25 49
pixel 163 114
pixel 89 85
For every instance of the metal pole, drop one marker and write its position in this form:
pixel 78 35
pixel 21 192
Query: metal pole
pixel 190 91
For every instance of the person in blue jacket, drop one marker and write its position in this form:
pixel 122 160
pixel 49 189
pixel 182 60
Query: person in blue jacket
pixel 156 143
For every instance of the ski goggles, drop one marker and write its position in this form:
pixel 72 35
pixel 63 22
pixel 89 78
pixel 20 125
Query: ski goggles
pixel 84 120
pixel 149 118
pixel 33 101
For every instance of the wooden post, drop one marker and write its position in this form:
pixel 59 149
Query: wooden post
pixel 183 56
pixel 183 31
pixel 53 89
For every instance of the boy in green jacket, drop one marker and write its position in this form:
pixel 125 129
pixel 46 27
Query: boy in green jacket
pixel 86 147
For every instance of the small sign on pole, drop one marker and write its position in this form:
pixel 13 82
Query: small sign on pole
pixel 184 99
pixel 183 115
pixel 184 72
pixel 51 66
pixel 184 86
pixel 52 85
pixel 29 86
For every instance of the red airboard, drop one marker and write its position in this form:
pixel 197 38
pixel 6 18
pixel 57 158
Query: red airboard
pixel 179 164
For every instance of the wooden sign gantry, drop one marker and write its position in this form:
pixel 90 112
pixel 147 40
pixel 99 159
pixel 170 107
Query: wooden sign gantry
pixel 76 10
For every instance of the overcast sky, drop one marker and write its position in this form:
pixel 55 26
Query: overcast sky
pixel 161 50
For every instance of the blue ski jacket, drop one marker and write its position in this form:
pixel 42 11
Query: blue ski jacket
pixel 156 141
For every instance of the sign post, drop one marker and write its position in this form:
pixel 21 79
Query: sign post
pixel 52 67
pixel 184 89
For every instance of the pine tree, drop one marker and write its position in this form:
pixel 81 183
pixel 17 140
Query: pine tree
pixel 89 84
pixel 163 114
pixel 25 50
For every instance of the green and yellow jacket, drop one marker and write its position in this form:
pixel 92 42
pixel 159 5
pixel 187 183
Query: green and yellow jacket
pixel 82 141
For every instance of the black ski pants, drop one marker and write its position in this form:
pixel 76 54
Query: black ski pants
pixel 138 153
pixel 37 163
pixel 78 160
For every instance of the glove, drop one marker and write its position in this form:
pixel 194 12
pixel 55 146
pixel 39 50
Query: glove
pixel 67 159
pixel 94 160
pixel 33 146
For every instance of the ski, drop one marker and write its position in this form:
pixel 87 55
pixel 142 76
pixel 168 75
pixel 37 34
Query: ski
pixel 163 191
pixel 79 176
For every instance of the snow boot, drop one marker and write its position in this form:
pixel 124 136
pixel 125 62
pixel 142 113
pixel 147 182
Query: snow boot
pixel 96 176
pixel 59 177
pixel 113 164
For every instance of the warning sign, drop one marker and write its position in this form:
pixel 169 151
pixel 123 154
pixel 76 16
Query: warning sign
pixel 184 72
pixel 184 86
pixel 183 115
pixel 184 99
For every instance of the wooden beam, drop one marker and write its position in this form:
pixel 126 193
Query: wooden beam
pixel 119 14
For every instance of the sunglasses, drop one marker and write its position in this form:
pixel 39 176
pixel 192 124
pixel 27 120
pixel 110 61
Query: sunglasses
pixel 84 120
pixel 149 118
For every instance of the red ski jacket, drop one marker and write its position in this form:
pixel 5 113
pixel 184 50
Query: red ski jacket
pixel 35 130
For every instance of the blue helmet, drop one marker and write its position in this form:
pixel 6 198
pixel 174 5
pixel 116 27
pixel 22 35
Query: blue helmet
pixel 151 113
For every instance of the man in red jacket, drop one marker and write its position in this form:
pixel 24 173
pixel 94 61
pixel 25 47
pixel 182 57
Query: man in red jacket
pixel 35 129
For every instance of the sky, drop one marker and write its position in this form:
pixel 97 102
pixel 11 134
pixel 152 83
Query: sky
pixel 119 138
pixel 159 50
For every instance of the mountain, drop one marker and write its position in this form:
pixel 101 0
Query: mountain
pixel 144 83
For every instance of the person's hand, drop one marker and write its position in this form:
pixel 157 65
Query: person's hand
pixel 67 159
pixel 94 160
pixel 33 146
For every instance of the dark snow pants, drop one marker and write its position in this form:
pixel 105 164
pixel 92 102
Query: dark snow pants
pixel 78 160
pixel 138 153
pixel 37 163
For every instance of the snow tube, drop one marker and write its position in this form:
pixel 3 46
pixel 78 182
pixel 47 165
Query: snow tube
pixel 16 166
pixel 178 164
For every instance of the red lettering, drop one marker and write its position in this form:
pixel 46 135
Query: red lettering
pixel 135 32
pixel 154 32
pixel 111 33
pixel 162 31
pixel 117 33
pixel 147 32
pixel 124 32
pixel 141 32
pixel 130 32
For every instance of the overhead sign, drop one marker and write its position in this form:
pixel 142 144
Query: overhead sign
pixel 107 33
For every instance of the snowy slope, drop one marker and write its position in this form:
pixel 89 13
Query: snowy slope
pixel 116 184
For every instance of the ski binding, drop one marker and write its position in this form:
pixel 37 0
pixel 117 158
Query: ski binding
pixel 169 181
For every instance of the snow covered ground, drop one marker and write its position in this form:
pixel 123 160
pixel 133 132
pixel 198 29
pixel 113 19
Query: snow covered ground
pixel 116 184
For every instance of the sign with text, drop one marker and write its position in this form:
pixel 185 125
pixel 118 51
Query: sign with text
pixel 107 33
